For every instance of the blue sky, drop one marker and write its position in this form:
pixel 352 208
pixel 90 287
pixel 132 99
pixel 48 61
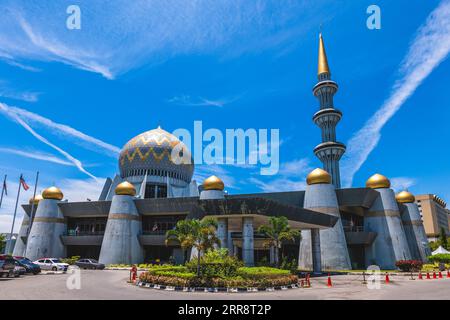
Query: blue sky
pixel 231 64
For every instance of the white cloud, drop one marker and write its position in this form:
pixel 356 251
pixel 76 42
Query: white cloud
pixel 402 183
pixel 73 190
pixel 429 48
pixel 186 100
pixel 118 36
pixel 33 154
pixel 69 157
pixel 292 176
pixel 61 129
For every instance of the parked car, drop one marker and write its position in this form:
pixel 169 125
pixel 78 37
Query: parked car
pixel 53 264
pixel 90 264
pixel 7 265
pixel 19 270
pixel 29 266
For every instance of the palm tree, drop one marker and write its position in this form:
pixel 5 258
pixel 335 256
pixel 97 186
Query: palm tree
pixel 276 231
pixel 199 234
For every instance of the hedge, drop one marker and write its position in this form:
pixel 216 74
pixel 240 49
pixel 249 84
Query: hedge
pixel 441 257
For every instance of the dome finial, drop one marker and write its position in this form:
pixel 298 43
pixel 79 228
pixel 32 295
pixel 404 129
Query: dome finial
pixel 53 193
pixel 323 61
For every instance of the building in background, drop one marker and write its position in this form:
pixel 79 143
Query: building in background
pixel 434 215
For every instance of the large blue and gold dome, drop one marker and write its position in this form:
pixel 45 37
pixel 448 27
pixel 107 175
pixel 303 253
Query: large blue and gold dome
pixel 151 153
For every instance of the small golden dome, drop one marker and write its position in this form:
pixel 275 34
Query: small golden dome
pixel 318 176
pixel 213 183
pixel 36 199
pixel 125 189
pixel 52 193
pixel 378 181
pixel 405 197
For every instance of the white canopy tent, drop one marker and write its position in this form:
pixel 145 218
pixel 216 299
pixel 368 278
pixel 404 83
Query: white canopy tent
pixel 439 251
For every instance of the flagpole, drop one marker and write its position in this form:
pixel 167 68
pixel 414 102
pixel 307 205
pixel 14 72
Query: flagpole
pixel 14 218
pixel 3 191
pixel 32 204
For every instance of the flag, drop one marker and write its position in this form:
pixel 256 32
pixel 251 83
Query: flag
pixel 4 187
pixel 23 183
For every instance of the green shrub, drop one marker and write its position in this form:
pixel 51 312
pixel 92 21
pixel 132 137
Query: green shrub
pixel 261 272
pixel 289 264
pixel 441 257
pixel 70 260
pixel 216 263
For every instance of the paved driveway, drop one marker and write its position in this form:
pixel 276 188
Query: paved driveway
pixel 111 284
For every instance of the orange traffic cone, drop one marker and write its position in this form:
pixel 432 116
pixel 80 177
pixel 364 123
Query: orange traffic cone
pixel 428 275
pixel 420 276
pixel 387 278
pixel 329 284
pixel 440 275
pixel 434 275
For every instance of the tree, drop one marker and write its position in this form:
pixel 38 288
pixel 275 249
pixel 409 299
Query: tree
pixel 198 234
pixel 277 231
pixel 443 239
pixel 2 243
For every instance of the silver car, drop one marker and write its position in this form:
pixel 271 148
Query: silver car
pixel 53 264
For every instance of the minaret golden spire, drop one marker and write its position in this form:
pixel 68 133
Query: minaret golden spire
pixel 323 62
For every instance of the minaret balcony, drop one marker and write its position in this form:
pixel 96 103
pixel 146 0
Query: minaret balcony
pixel 330 150
pixel 327 115
pixel 326 83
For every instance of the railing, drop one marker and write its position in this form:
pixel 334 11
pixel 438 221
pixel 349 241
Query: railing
pixel 156 232
pixel 354 228
pixel 74 233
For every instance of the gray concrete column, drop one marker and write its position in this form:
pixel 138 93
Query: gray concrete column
pixel 222 232
pixel 247 242
pixel 415 232
pixel 315 250
pixel 230 245
pixel 20 247
pixel 45 236
pixel 121 240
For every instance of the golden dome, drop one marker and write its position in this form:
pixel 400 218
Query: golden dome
pixel 52 193
pixel 125 189
pixel 318 176
pixel 213 183
pixel 36 199
pixel 405 197
pixel 378 181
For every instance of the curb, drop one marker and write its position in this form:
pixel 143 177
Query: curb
pixel 213 290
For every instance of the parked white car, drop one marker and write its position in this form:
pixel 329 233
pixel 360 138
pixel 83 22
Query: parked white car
pixel 52 264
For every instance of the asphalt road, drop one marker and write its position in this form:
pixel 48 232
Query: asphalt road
pixel 111 284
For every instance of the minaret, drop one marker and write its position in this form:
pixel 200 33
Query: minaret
pixel 329 151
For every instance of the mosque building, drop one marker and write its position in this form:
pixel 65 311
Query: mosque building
pixel 342 228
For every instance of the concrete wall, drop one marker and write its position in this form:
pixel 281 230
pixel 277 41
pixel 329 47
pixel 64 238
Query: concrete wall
pixel 415 232
pixel 334 253
pixel 121 240
pixel 45 235
pixel 20 246
pixel 390 245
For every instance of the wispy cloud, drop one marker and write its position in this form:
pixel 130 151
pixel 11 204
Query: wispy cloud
pixel 292 176
pixel 69 157
pixel 73 190
pixel 62 129
pixel 429 48
pixel 142 32
pixel 32 154
pixel 10 60
pixel 186 100
pixel 402 183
